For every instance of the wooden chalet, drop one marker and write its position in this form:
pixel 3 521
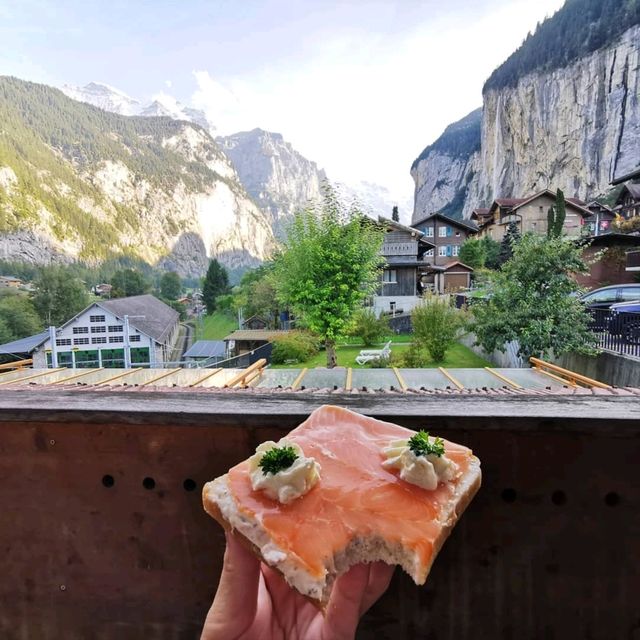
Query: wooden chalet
pixel 530 214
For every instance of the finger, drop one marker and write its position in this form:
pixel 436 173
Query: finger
pixel 380 575
pixel 236 597
pixel 343 612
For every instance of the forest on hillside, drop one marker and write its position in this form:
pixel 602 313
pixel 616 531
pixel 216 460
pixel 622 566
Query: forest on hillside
pixel 580 27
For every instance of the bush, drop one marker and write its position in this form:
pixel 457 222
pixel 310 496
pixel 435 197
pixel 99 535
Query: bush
pixel 436 324
pixel 298 346
pixel 394 360
pixel 368 327
pixel 416 356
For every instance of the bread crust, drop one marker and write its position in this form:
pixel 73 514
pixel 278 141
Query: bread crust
pixel 467 487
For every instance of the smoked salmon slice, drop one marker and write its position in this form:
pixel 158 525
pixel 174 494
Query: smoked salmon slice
pixel 359 510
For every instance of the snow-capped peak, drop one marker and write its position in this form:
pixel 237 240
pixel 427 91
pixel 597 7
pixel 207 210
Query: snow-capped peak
pixel 105 97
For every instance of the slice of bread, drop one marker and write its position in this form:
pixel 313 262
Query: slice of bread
pixel 371 544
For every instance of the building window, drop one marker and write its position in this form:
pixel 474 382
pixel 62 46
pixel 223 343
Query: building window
pixel 389 276
pixel 116 338
pixel 81 341
pixel 115 328
pixel 429 232
pixel 96 318
pixel 429 253
pixel 63 342
pixel 455 250
pixel 442 250
pixel 77 330
pixel 99 340
pixel 134 338
pixel 102 329
pixel 442 231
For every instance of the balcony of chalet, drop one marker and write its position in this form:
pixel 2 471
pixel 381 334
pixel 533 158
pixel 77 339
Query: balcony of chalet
pixel 104 535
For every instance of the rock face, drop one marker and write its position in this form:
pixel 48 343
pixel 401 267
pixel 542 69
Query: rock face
pixel 80 183
pixel 279 179
pixel 575 128
pixel 443 171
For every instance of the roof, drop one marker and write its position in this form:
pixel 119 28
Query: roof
pixel 9 278
pixel 206 349
pixel 256 334
pixel 479 212
pixel 470 226
pixel 157 318
pixel 392 223
pixel 628 176
pixel 516 203
pixel 633 189
pixel 340 380
pixel 456 263
pixel 608 239
pixel 24 345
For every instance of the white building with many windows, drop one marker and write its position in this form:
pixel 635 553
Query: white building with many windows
pixel 98 336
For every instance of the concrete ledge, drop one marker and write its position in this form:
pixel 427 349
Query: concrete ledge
pixel 609 367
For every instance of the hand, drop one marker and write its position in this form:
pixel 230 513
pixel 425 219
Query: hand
pixel 254 602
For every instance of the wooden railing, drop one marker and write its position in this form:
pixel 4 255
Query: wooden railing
pixel 18 364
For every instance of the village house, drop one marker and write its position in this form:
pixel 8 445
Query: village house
pixel 420 259
pixel 530 214
pixel 442 271
pixel 403 249
pixel 601 218
pixel 135 331
pixel 10 282
pixel 627 204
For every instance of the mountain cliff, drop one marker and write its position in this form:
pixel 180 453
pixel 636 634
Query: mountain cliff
pixel 279 179
pixel 77 182
pixel 562 111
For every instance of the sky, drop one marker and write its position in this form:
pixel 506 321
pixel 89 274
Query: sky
pixel 359 86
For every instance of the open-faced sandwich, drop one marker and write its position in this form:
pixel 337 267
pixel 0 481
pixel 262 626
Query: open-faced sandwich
pixel 341 489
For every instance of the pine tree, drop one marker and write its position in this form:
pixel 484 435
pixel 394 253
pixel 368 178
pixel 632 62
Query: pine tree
pixel 395 215
pixel 511 237
pixel 216 283
pixel 556 216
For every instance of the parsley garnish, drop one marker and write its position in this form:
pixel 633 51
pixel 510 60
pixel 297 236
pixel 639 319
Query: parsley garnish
pixel 422 446
pixel 277 459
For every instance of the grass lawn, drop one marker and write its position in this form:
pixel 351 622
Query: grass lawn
pixel 458 356
pixel 216 326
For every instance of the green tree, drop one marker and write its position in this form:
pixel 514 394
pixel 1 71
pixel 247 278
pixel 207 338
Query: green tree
pixel 556 216
pixel 216 283
pixel 329 264
pixel 6 335
pixel 170 285
pixel 58 296
pixel 491 252
pixel 19 316
pixel 395 214
pixel 128 282
pixel 436 325
pixel 367 326
pixel 533 301
pixel 473 253
pixel 511 238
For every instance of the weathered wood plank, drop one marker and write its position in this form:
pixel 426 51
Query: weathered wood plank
pixel 254 407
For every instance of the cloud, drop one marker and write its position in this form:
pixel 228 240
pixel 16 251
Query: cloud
pixel 363 105
pixel 168 84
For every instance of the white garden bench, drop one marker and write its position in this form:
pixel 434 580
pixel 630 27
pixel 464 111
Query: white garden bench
pixel 367 355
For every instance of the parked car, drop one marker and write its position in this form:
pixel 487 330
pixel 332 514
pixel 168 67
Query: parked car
pixel 624 320
pixel 604 297
pixel 599 301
